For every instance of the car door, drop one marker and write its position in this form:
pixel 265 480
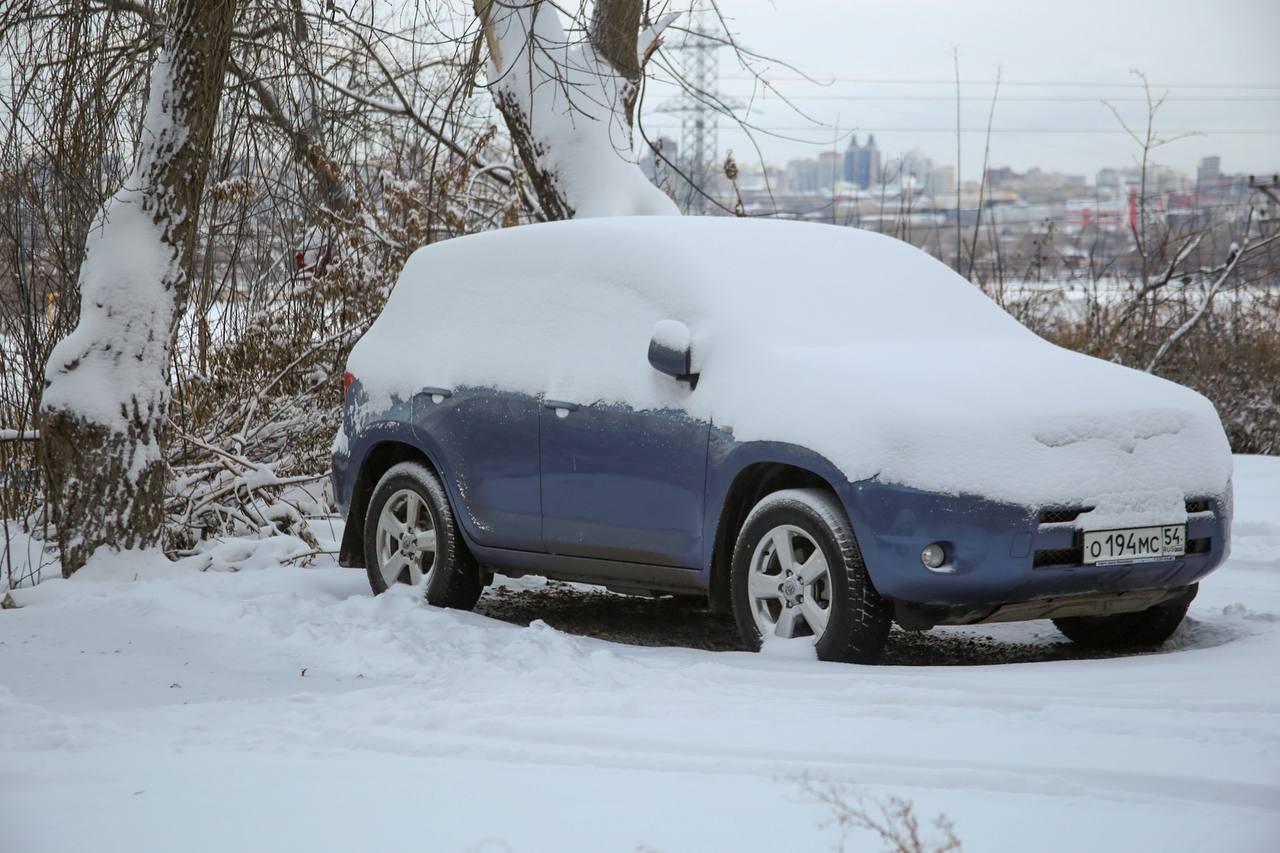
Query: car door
pixel 487 441
pixel 622 484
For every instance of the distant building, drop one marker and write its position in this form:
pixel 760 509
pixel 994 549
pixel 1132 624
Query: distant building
pixel 830 168
pixel 869 164
pixel 862 163
pixel 1162 179
pixel 669 172
pixel 999 177
pixel 941 180
pixel 1109 179
pixel 916 165
pixel 851 160
pixel 656 162
pixel 1209 173
pixel 777 178
pixel 803 175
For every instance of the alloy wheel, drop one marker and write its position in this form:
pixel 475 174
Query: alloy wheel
pixel 406 539
pixel 789 584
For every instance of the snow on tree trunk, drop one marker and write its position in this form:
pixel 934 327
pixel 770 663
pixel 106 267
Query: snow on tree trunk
pixel 105 407
pixel 569 106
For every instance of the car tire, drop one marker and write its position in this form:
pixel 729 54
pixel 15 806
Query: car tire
pixel 409 521
pixel 1150 627
pixel 789 528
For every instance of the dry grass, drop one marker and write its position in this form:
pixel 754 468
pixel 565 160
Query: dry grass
pixel 893 821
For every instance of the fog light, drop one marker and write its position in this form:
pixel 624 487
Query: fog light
pixel 933 556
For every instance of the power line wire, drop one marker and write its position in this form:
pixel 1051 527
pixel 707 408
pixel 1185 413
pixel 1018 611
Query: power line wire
pixel 817 128
pixel 905 81
pixel 1005 99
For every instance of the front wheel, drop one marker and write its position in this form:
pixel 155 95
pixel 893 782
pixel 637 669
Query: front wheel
pixel 1149 627
pixel 410 537
pixel 797 572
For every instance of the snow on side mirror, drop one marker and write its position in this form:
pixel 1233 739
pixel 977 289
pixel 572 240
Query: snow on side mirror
pixel 671 351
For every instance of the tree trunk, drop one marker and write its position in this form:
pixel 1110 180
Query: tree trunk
pixel 569 106
pixel 106 402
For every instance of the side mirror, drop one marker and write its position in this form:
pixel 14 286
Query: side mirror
pixel 671 351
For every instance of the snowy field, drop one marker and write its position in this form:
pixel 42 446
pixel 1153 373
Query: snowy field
pixel 153 708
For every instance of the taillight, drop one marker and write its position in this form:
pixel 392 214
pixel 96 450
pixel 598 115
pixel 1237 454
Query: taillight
pixel 347 378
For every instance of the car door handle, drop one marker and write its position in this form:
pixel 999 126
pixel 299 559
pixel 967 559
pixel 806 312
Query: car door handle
pixel 560 406
pixel 437 395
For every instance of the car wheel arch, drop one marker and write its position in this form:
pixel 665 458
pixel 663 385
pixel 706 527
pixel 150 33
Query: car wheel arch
pixel 750 484
pixel 379 459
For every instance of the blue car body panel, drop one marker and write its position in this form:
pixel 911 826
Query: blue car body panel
pixel 622 484
pixel 635 499
pixel 992 549
pixel 393 425
pixel 487 442
pixel 727 459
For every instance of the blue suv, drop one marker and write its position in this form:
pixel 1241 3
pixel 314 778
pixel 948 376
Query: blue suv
pixel 820 429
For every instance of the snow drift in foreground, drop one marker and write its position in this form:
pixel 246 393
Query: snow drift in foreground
pixel 151 708
pixel 853 344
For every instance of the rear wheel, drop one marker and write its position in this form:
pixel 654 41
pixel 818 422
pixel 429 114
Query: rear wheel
pixel 797 572
pixel 1149 627
pixel 410 537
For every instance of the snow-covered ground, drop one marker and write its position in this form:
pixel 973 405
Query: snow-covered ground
pixel 151 708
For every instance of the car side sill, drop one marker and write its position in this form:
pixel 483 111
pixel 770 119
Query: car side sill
pixel 618 576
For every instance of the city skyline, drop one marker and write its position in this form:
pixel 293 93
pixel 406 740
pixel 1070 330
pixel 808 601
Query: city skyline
pixel 889 70
pixel 829 171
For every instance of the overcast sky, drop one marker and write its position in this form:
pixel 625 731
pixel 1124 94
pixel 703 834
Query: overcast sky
pixel 1228 49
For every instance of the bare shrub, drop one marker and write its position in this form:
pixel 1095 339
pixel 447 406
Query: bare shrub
pixel 343 144
pixel 893 821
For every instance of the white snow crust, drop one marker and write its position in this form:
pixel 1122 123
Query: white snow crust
pixel 125 266
pixel 151 708
pixel 572 99
pixel 852 344
pixel 118 353
pixel 817 500
pixel 671 334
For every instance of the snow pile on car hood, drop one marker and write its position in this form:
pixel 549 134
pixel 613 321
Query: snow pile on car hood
pixel 852 344
pixel 1024 422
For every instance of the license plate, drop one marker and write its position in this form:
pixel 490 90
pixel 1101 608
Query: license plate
pixel 1135 544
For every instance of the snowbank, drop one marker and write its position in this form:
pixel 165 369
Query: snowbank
pixel 289 709
pixel 853 344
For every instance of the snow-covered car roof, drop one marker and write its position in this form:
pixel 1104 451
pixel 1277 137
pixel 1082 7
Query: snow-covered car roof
pixel 852 344
pixel 840 283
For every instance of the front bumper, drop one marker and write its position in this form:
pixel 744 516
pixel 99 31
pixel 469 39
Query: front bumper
pixel 1001 554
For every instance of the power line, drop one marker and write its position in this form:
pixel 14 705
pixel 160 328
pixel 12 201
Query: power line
pixel 762 96
pixel 817 128
pixel 905 81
